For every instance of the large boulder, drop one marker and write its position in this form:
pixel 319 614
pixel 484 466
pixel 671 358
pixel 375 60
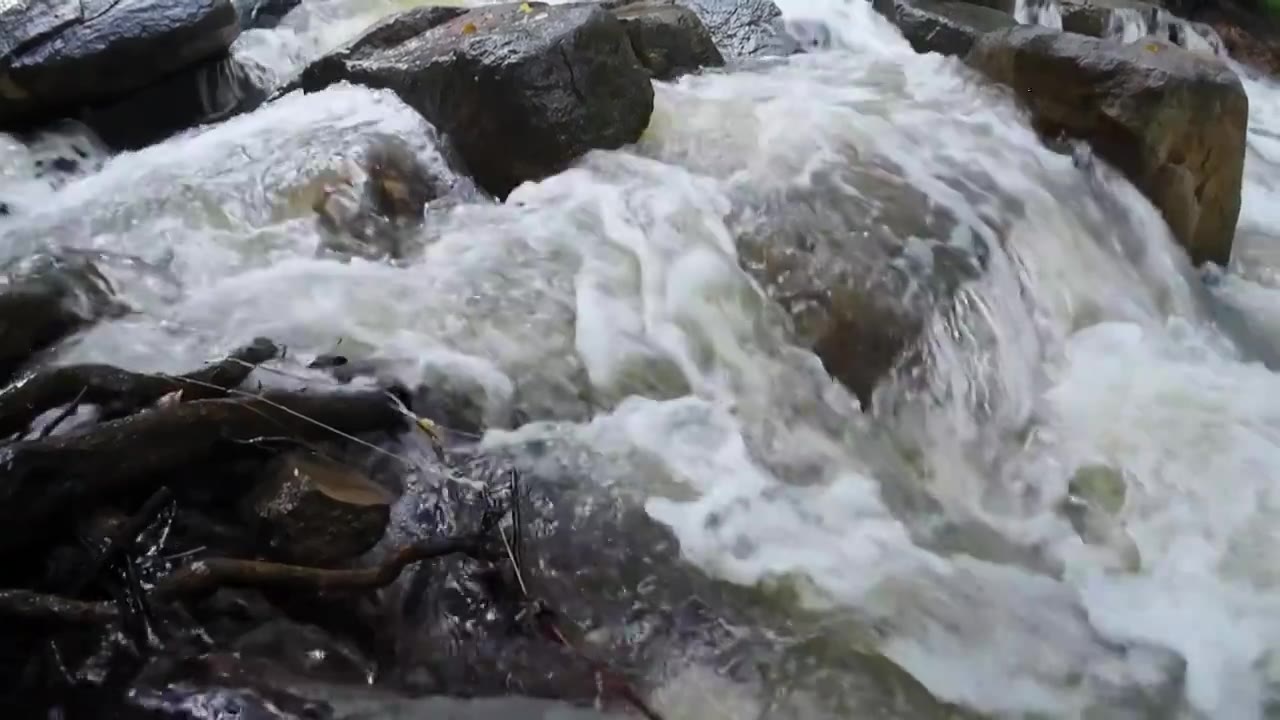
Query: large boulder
pixel 520 90
pixel 208 92
pixel 744 28
pixel 57 55
pixel 668 38
pixel 1172 121
pixel 942 26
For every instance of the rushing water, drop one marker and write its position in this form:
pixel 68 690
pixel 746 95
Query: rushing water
pixel 609 303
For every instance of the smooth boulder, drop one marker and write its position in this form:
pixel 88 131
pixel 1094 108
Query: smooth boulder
pixel 521 91
pixel 208 92
pixel 1173 122
pixel 668 38
pixel 942 26
pixel 312 511
pixel 60 55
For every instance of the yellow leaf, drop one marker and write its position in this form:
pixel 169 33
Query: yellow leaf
pixel 468 28
pixel 1153 47
pixel 429 428
pixel 526 8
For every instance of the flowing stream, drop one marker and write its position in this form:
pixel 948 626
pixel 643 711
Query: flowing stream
pixel 608 303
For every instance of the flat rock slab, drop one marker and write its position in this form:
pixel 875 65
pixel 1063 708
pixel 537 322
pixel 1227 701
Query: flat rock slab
pixel 61 55
pixel 942 26
pixel 520 90
pixel 1172 121
pixel 316 512
pixel 744 28
pixel 668 38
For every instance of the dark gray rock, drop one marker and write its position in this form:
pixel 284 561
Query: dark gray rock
pixel 942 26
pixel 669 39
pixel 315 512
pixel 1101 18
pixel 1004 6
pixel 520 91
pixel 1172 121
pixel 43 299
pixel 209 92
pixel 56 59
pixel 744 28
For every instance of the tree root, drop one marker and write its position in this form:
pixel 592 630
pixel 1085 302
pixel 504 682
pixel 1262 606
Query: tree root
pixel 122 392
pixel 207 575
pixel 45 479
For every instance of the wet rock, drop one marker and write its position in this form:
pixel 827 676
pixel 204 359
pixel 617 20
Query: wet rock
pixel 1099 18
pixel 856 294
pixel 521 91
pixel 65 150
pixel 374 217
pixel 1173 122
pixel 1252 41
pixel 311 511
pixel 55 56
pixel 668 39
pixel 1005 6
pixel 44 299
pixel 949 28
pixel 263 14
pixel 305 651
pixel 209 92
pixel 744 28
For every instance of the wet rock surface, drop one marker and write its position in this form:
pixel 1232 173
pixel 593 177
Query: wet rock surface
pixel 44 299
pixel 60 56
pixel 668 38
pixel 744 28
pixel 208 92
pixel 519 90
pixel 950 28
pixel 1173 122
pixel 309 511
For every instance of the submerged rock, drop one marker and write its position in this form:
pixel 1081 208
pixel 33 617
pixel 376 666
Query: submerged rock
pixel 520 90
pixel 371 219
pixel 942 26
pixel 1173 122
pixel 318 513
pixel 668 39
pixel 44 299
pixel 56 56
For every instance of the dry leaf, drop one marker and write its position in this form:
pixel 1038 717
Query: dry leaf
pixel 468 28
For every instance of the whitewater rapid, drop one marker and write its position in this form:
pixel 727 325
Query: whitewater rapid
pixel 608 302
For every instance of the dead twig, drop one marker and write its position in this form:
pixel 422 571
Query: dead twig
pixel 62 416
pixel 205 575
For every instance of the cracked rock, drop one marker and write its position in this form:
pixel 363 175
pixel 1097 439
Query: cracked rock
pixel 520 90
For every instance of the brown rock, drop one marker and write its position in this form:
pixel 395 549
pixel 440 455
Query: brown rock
pixel 941 26
pixel 315 512
pixel 1172 121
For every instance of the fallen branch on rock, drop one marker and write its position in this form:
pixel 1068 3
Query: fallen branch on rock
pixel 46 479
pixel 122 392
pixel 38 607
pixel 207 575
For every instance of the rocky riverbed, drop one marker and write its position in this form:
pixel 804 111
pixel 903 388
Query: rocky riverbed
pixel 665 359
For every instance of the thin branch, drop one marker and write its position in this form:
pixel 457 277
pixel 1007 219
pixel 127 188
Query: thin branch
pixel 123 540
pixel 67 412
pixel 206 575
pixel 39 607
